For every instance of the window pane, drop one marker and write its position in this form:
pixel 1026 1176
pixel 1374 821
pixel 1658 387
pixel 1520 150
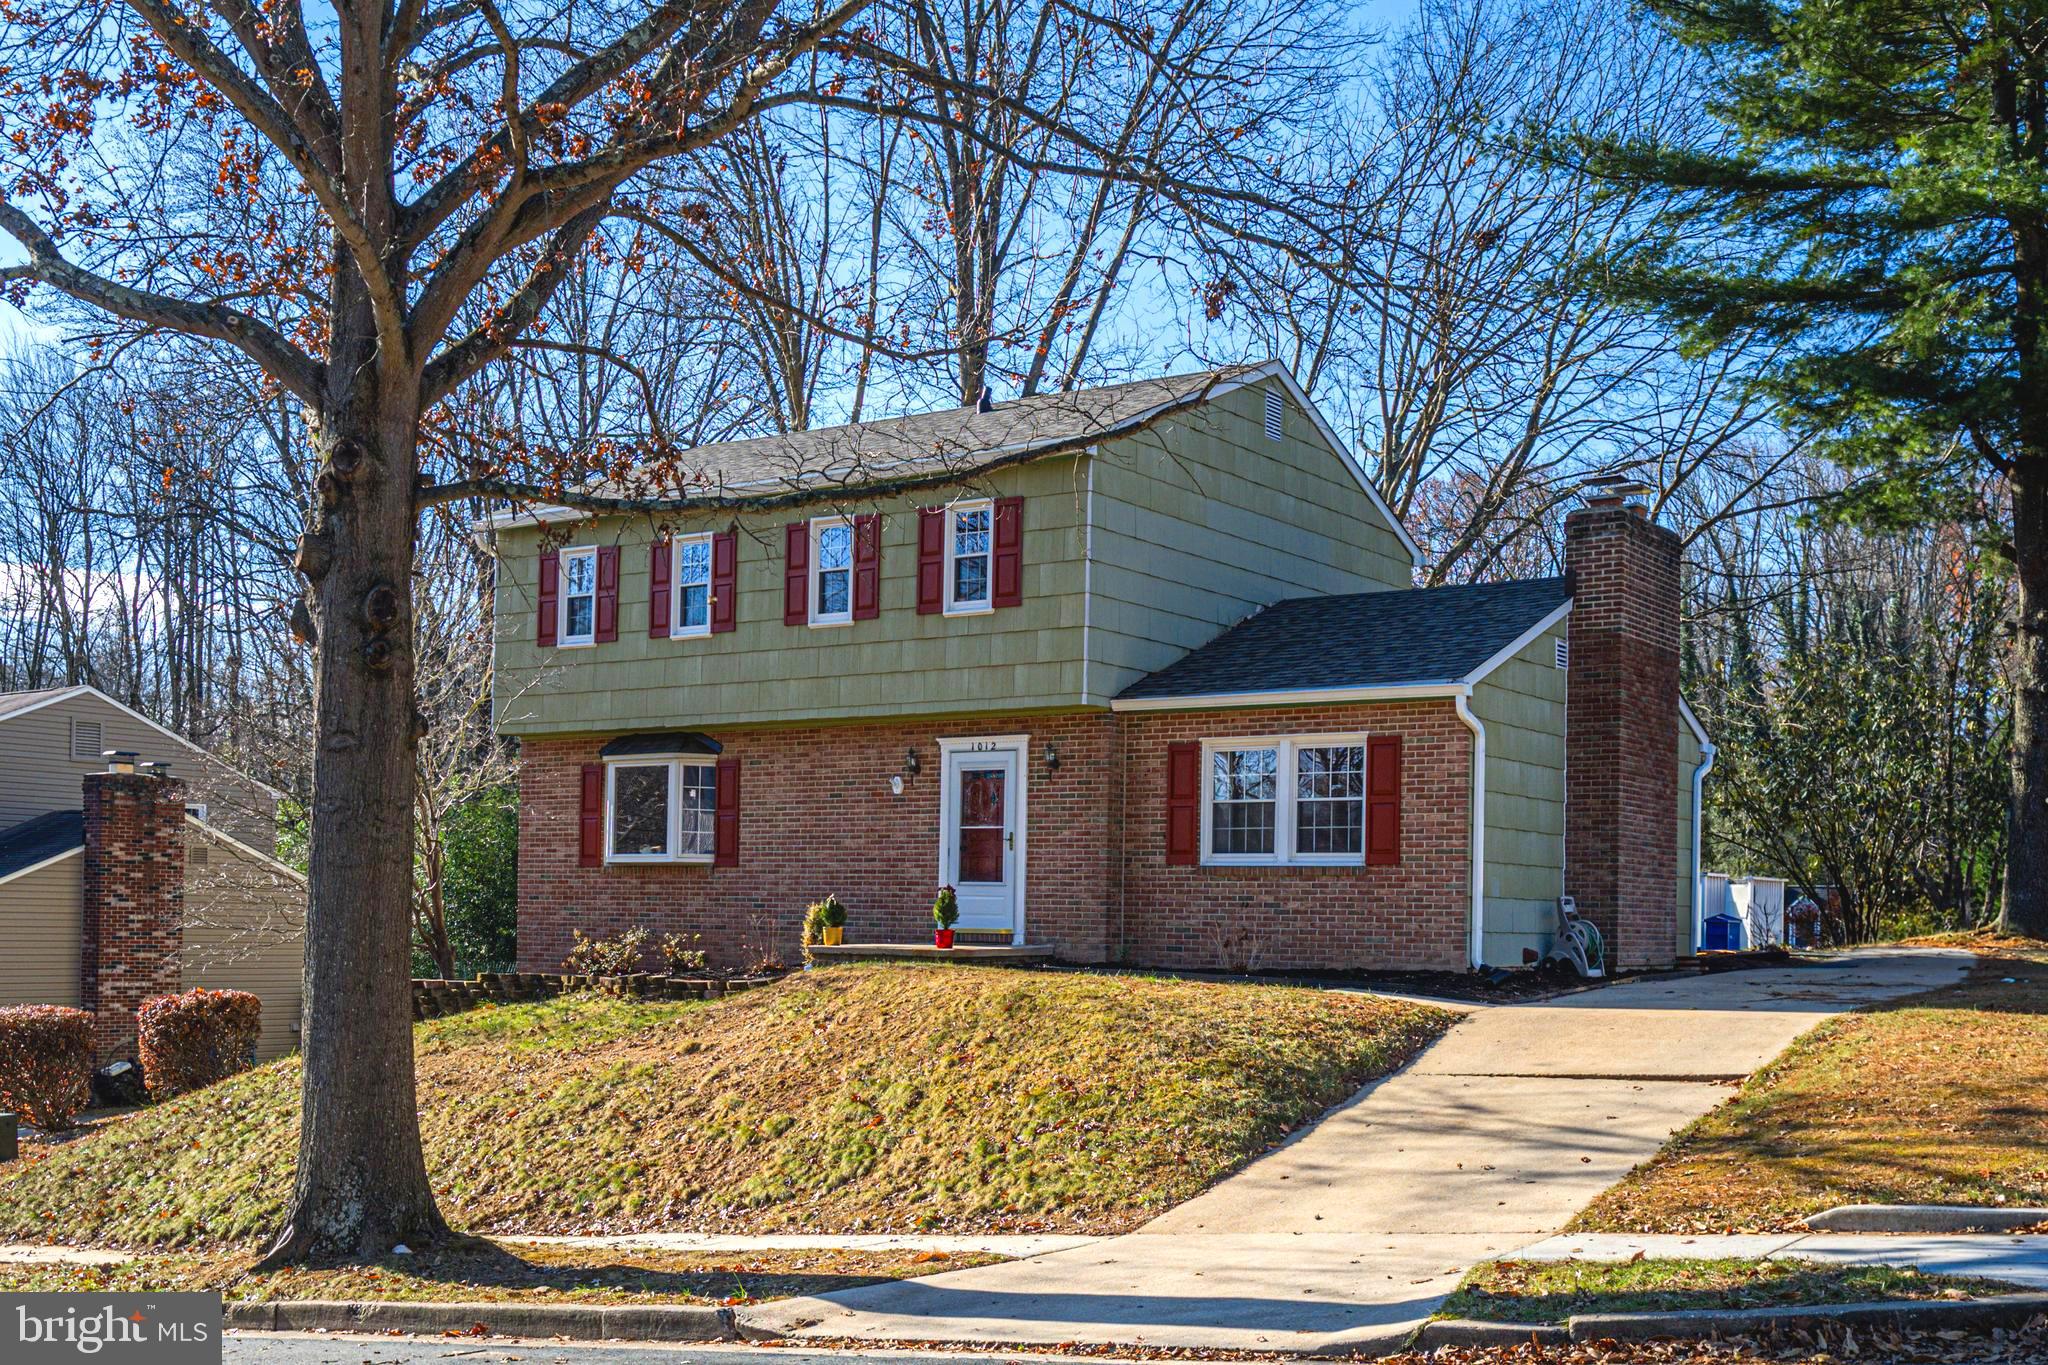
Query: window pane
pixel 970 579
pixel 694 605
pixel 1244 800
pixel 640 809
pixel 581 613
pixel 697 795
pixel 835 547
pixel 1329 812
pixel 970 532
pixel 832 591
pixel 693 561
pixel 579 574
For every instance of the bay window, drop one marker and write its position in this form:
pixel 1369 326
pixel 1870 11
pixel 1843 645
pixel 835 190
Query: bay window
pixel 664 811
pixel 1285 801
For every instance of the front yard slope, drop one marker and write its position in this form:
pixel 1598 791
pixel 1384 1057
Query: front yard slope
pixel 1938 1099
pixel 866 1097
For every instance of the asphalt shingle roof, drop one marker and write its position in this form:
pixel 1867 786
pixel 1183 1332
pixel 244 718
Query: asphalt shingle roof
pixel 40 839
pixel 10 702
pixel 1373 639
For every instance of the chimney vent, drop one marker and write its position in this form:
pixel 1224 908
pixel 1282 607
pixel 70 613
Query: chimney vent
pixel 120 760
pixel 1614 490
pixel 987 401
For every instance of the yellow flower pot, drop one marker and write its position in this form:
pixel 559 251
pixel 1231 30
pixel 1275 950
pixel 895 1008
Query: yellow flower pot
pixel 834 934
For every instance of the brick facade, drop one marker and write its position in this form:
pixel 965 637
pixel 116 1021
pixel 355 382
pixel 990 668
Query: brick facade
pixel 132 927
pixel 1621 828
pixel 817 815
pixel 1410 915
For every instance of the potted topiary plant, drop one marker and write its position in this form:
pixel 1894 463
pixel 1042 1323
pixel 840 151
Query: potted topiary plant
pixel 945 914
pixel 832 918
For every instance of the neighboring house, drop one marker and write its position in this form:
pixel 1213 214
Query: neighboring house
pixel 1140 670
pixel 124 877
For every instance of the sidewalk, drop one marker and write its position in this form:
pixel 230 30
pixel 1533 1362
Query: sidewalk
pixel 1350 1234
pixel 1995 1256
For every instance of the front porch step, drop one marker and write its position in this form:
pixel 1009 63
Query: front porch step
pixel 965 952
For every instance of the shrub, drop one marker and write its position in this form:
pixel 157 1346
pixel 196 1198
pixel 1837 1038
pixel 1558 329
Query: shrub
pixel 191 1040
pixel 814 924
pixel 834 913
pixel 946 909
pixel 682 954
pixel 45 1063
pixel 606 956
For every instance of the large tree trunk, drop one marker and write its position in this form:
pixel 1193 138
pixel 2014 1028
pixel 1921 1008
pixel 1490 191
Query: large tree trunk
pixel 2026 866
pixel 361 1183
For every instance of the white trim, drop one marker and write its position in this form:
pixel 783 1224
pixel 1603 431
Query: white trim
pixel 562 595
pixel 1296 697
pixel 1475 943
pixel 987 604
pixel 673 836
pixel 1285 776
pixel 1020 745
pixel 276 864
pixel 1521 642
pixel 676 630
pixel 812 596
pixel 50 861
pixel 1698 731
pixel 86 689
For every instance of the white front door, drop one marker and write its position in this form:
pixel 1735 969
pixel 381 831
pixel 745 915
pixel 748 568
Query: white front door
pixel 981 833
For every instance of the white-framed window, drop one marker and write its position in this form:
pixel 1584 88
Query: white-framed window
pixel 831 571
pixel 197 810
pixel 1294 800
pixel 578 625
pixel 691 613
pixel 970 563
pixel 661 810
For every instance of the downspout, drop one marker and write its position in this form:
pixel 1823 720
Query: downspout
pixel 1475 947
pixel 1699 898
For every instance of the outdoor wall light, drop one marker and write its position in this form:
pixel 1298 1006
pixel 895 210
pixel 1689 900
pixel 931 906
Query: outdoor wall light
pixel 910 763
pixel 1052 758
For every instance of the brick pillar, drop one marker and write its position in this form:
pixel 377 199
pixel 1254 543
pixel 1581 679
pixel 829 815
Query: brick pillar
pixel 1621 817
pixel 134 894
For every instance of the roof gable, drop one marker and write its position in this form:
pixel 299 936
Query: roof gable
pixel 44 839
pixel 17 704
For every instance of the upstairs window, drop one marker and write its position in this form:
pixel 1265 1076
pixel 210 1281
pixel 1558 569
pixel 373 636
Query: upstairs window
pixel 661 812
pixel 832 572
pixel 1285 801
pixel 970 528
pixel 579 597
pixel 693 586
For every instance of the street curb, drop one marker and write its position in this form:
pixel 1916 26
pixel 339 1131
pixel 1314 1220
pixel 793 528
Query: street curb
pixel 581 1322
pixel 1936 1218
pixel 1475 1332
pixel 1931 1315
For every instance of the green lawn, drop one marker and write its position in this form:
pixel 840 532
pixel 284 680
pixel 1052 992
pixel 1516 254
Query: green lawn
pixel 866 1097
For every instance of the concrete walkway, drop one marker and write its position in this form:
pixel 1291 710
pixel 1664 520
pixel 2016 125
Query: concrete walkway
pixel 2021 1258
pixel 1351 1233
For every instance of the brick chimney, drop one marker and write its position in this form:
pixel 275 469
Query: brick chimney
pixel 1621 746
pixel 134 894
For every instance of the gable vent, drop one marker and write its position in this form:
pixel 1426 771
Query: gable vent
pixel 1564 655
pixel 1275 410
pixel 85 739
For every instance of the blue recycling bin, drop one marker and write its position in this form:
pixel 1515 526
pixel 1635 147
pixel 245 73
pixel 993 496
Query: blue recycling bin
pixel 1721 933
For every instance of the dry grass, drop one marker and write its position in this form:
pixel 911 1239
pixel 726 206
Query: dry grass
pixel 1941 1098
pixel 485 1272
pixel 1552 1291
pixel 870 1097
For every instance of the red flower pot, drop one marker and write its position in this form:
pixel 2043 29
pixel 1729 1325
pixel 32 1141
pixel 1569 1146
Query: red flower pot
pixel 942 938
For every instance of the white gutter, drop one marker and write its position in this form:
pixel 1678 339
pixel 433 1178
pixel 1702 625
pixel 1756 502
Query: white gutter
pixel 1307 696
pixel 1699 889
pixel 1475 947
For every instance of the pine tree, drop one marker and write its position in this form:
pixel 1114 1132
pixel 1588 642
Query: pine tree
pixel 1880 200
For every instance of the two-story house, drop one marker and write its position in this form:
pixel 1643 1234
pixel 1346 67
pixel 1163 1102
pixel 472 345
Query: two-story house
pixel 1140 670
pixel 134 863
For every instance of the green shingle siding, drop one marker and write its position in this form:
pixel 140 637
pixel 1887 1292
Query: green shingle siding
pixel 1522 705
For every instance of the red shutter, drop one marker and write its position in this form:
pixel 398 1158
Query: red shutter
pixel 1008 590
pixel 550 595
pixel 796 573
pixel 1183 803
pixel 660 567
pixel 1383 800
pixel 725 576
pixel 590 829
pixel 607 594
pixel 867 566
pixel 931 560
pixel 726 845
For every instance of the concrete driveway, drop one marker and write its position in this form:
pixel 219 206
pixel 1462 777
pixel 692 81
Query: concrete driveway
pixel 1353 1231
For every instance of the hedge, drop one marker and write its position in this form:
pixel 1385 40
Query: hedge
pixel 192 1040
pixel 45 1063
